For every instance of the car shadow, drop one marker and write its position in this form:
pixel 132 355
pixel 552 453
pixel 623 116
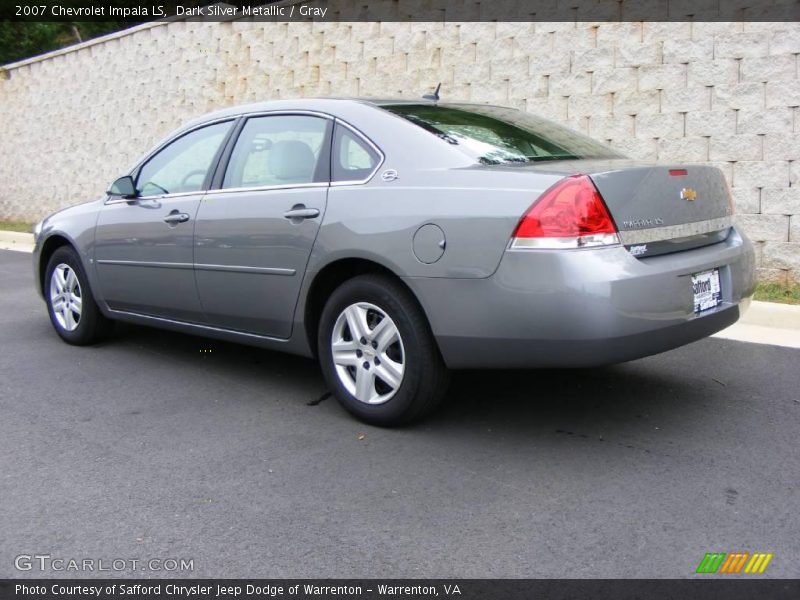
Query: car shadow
pixel 225 357
pixel 602 404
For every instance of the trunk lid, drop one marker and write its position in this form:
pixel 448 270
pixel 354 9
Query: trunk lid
pixel 658 208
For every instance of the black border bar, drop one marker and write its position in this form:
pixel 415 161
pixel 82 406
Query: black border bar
pixel 712 587
pixel 138 11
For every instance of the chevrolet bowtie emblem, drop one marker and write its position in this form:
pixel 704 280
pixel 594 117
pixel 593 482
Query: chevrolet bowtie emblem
pixel 688 194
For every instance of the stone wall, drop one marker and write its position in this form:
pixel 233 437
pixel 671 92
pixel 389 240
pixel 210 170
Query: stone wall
pixel 727 94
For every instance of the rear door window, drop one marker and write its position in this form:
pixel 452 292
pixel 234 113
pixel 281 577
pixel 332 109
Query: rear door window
pixel 353 158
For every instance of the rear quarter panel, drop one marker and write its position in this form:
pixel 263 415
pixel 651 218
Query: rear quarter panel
pixel 476 210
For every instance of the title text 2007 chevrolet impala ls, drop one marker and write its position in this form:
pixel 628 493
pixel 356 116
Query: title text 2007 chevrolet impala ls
pixel 396 240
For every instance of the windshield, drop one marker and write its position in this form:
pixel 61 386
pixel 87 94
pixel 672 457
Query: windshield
pixel 497 135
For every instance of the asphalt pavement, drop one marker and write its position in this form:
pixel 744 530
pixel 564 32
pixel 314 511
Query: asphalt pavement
pixel 157 445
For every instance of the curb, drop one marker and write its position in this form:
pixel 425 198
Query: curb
pixel 15 240
pixel 16 236
pixel 772 314
pixel 767 323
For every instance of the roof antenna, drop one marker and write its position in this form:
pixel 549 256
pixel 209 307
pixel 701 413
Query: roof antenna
pixel 434 97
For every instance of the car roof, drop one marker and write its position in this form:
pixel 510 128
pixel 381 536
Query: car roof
pixel 323 104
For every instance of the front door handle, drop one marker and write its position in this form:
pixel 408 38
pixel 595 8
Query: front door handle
pixel 300 212
pixel 174 218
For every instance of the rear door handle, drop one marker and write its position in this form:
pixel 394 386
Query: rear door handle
pixel 175 218
pixel 300 212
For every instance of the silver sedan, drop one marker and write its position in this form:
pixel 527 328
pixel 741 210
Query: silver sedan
pixel 395 240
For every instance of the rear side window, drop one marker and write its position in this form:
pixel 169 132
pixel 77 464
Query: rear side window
pixel 353 158
pixel 182 166
pixel 280 150
pixel 498 135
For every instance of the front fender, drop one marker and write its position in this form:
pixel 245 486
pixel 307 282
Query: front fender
pixel 74 226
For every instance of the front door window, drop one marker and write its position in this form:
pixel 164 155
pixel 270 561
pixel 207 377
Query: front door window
pixel 183 165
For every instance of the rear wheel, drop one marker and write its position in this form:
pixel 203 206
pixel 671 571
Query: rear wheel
pixel 73 311
pixel 377 353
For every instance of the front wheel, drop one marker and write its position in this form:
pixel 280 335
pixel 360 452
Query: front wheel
pixel 377 353
pixel 73 311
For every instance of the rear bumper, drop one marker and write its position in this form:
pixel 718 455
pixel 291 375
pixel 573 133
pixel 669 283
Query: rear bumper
pixel 580 308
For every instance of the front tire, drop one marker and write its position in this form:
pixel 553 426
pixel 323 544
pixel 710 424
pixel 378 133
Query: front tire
pixel 377 352
pixel 73 312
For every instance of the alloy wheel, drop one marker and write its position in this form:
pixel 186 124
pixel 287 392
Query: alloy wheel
pixel 368 353
pixel 65 297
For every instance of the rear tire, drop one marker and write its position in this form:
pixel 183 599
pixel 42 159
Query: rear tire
pixel 73 312
pixel 378 354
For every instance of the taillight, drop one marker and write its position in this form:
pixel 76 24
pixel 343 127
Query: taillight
pixel 571 214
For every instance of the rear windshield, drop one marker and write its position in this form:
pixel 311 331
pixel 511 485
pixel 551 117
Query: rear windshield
pixel 495 135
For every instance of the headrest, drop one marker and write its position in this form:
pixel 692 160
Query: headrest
pixel 292 160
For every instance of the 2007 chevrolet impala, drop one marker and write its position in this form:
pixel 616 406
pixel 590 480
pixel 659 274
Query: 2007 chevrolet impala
pixel 395 240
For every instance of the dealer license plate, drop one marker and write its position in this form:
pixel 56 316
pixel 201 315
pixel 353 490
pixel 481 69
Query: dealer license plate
pixel 707 290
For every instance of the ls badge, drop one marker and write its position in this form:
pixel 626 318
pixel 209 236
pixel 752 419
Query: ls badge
pixel 688 194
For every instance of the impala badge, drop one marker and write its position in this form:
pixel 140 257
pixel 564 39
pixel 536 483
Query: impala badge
pixel 389 175
pixel 688 194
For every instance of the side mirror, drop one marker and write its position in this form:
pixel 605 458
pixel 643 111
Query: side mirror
pixel 123 187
